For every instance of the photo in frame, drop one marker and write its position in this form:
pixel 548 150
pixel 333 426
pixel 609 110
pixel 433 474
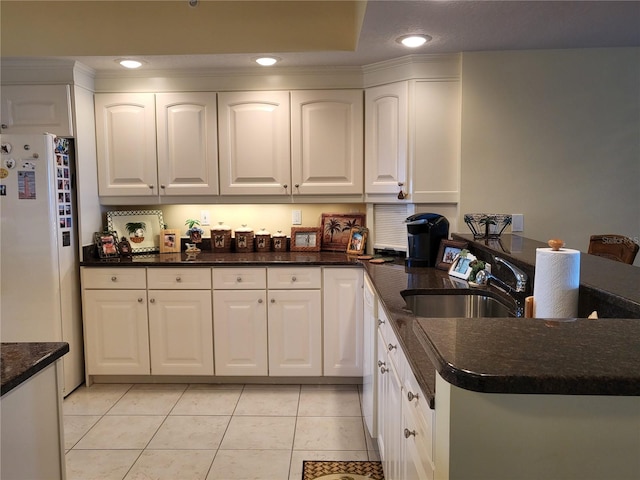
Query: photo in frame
pixel 447 253
pixel 169 241
pixel 106 244
pixel 461 268
pixel 305 239
pixel 336 229
pixel 357 240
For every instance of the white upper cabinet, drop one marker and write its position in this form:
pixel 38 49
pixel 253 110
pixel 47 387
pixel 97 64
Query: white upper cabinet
pixel 126 144
pixel 386 139
pixel 187 143
pixel 154 145
pixel 435 144
pixel 36 109
pixel 254 138
pixel 326 142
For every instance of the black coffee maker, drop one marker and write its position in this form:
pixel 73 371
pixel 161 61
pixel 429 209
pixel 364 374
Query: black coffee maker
pixel 425 232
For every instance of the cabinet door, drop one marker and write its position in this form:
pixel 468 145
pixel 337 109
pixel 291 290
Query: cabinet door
pixel 254 138
pixel 386 138
pixel 116 332
pixel 326 142
pixel 436 142
pixel 36 109
pixel 126 144
pixel 240 332
pixel 393 428
pixel 343 330
pixel 187 143
pixel 295 333
pixel 383 401
pixel 181 332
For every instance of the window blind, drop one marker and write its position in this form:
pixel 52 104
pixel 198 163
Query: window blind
pixel 389 226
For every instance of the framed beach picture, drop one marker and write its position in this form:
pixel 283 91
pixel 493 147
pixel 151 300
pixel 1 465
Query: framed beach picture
pixel 461 266
pixel 336 229
pixel 448 251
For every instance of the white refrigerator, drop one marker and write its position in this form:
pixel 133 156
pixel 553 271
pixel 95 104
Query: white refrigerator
pixel 39 270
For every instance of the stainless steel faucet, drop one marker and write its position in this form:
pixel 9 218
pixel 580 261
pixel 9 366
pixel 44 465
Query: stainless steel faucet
pixel 518 292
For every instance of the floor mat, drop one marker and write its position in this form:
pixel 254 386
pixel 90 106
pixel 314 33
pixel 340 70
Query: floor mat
pixel 326 470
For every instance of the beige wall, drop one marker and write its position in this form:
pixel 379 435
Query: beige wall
pixel 554 135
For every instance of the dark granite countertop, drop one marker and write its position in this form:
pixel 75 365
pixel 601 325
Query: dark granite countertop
pixel 21 361
pixel 207 258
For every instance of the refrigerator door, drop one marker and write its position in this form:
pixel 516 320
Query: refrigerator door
pixel 39 284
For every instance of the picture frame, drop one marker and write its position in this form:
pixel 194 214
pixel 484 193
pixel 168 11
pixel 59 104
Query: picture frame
pixel 447 253
pixel 106 244
pixel 357 240
pixel 336 229
pixel 460 267
pixel 305 239
pixel 169 240
pixel 146 239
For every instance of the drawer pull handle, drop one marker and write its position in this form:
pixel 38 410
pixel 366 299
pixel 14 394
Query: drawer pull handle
pixel 412 396
pixel 383 370
pixel 178 279
pixel 381 363
pixel 140 300
pixel 408 433
pixel 380 322
pixel 391 347
pixel 293 279
pixel 239 279
pixel 114 279
pixel 153 300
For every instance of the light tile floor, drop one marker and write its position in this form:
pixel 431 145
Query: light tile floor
pixel 210 432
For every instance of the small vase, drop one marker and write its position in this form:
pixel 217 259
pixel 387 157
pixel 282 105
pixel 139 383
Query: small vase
pixel 195 237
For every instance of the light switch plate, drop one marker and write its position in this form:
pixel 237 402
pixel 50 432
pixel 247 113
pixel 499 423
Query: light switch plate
pixel 204 217
pixel 296 217
pixel 517 222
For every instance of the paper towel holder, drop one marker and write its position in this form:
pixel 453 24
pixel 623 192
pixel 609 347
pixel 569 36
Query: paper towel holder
pixel 555 244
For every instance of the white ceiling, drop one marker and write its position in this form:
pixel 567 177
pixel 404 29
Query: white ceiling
pixel 455 26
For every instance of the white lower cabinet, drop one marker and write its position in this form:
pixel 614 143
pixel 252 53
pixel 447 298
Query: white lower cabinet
pixel 343 310
pixel 405 421
pixel 369 368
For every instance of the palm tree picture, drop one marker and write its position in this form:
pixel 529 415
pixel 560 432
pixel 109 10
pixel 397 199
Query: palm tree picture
pixel 136 231
pixel 332 227
pixel 336 229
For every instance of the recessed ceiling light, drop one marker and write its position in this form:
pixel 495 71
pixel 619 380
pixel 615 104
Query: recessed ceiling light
pixel 129 63
pixel 413 41
pixel 266 61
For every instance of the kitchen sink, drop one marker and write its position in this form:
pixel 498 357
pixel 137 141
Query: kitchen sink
pixel 467 304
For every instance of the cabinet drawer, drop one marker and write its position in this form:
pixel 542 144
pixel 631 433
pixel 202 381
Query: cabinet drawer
pixel 179 278
pixel 293 278
pixel 239 278
pixel 420 415
pixel 114 278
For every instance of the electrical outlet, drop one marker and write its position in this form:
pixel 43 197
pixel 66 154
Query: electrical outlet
pixel 296 217
pixel 517 222
pixel 204 217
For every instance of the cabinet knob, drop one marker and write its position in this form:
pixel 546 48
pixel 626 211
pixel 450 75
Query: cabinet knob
pixel 153 300
pixel 260 300
pixel 381 363
pixel 239 279
pixel 140 300
pixel 380 322
pixel 383 370
pixel 114 279
pixel 285 186
pixel 178 279
pixel 162 186
pixel 293 279
pixel 408 433
pixel 5 126
pixel 297 185
pixel 151 187
pixel 412 396
pixel 391 347
pixel 273 300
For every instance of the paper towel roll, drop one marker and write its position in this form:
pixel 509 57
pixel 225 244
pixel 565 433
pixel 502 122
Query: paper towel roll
pixel 556 284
